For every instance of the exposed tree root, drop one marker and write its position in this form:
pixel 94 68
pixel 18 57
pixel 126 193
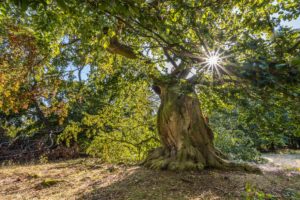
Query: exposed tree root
pixel 187 139
pixel 230 165
pixel 192 159
pixel 161 159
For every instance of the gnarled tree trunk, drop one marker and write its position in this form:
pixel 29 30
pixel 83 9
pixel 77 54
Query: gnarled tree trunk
pixel 187 140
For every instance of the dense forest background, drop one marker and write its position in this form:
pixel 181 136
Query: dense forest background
pixel 61 98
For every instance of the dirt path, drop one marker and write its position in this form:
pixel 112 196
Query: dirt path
pixel 281 162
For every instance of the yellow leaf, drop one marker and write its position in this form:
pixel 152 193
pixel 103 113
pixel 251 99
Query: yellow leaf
pixel 106 44
pixel 6 93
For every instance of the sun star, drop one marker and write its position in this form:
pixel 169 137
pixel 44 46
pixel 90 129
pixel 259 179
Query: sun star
pixel 213 63
pixel 213 60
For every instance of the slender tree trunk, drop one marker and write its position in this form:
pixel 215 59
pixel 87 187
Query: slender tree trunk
pixel 187 140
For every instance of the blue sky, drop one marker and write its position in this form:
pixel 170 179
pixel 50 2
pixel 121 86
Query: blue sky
pixel 294 23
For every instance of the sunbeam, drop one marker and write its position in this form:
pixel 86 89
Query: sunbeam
pixel 213 63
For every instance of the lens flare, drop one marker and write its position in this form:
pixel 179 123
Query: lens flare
pixel 213 62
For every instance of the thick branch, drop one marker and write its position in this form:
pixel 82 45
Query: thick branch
pixel 170 59
pixel 121 49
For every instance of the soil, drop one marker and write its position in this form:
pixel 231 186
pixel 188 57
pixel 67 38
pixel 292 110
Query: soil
pixel 91 179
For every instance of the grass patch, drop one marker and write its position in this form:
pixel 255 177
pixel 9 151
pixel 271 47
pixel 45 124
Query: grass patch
pixel 93 179
pixel 48 182
pixel 33 176
pixel 253 193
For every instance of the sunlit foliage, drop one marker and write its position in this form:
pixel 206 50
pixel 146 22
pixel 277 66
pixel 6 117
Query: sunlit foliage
pixel 60 72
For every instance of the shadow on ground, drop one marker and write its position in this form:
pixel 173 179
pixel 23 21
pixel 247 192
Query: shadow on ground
pixel 92 179
pixel 141 183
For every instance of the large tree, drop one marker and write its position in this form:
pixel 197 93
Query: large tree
pixel 178 45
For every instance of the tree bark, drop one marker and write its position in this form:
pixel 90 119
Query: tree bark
pixel 187 140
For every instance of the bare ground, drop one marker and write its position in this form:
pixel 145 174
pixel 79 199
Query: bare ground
pixel 91 179
pixel 281 161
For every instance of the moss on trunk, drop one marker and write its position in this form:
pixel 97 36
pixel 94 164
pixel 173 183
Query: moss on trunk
pixel 187 140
